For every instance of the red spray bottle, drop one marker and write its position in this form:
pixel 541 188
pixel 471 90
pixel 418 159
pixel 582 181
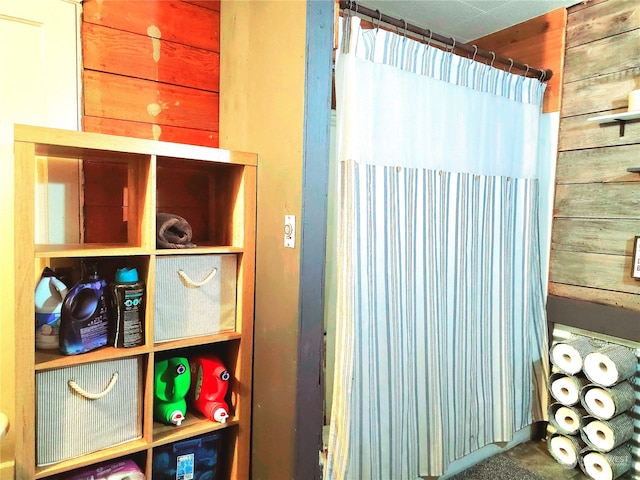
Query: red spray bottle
pixel 210 382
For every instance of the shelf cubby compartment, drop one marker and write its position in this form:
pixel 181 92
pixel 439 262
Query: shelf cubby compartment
pixel 207 195
pixel 135 448
pixel 137 456
pixel 89 198
pixel 195 423
pixel 69 270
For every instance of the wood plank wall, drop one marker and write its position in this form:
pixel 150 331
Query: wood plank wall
pixel 538 42
pixel 152 69
pixel 597 203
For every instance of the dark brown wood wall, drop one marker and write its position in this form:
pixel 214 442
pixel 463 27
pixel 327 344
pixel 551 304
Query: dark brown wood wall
pixel 597 202
pixel 152 69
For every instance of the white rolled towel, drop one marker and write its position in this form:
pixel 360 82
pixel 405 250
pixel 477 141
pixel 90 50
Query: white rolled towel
pixel 565 449
pixel 566 388
pixel 605 435
pixel 610 365
pixel 568 355
pixel 606 466
pixel 607 402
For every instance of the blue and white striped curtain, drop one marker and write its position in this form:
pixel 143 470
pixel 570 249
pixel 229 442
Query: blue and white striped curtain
pixel 440 326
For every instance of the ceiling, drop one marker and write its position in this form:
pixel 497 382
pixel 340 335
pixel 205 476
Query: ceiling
pixel 465 20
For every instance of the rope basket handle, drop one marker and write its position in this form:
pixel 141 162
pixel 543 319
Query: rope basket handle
pixel 190 283
pixel 93 396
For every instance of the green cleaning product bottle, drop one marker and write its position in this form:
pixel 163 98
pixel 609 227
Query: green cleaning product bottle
pixel 171 385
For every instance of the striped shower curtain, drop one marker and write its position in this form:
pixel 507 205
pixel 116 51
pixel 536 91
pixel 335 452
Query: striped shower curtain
pixel 440 325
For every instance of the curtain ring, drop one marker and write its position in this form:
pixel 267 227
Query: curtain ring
pixel 475 52
pixel 542 75
pixel 493 55
pixel 510 66
pixel 454 45
pixel 527 71
pixel 405 28
pixel 379 20
pixel 430 37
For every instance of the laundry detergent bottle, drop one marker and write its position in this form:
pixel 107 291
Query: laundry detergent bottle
pixel 83 319
pixel 209 387
pixel 127 312
pixel 49 294
pixel 171 385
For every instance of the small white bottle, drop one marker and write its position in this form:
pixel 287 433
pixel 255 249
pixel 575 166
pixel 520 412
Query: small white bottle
pixel 49 294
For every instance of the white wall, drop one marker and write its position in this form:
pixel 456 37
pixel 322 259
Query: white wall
pixel 39 85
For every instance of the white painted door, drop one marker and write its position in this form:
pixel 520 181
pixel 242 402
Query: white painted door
pixel 39 85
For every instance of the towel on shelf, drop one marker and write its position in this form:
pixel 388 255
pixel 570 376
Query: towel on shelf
pixel 173 231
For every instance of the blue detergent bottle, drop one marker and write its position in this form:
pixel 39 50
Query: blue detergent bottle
pixel 83 319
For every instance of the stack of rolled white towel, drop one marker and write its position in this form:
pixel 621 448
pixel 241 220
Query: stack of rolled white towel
pixel 590 421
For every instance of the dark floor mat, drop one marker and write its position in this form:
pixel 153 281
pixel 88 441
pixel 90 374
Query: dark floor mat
pixel 498 467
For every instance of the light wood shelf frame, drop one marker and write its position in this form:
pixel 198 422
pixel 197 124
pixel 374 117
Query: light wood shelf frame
pixel 31 145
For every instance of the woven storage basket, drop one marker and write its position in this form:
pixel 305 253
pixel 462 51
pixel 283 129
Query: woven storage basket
pixel 87 408
pixel 195 295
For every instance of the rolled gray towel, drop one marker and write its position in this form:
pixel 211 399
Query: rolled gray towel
pixel 172 231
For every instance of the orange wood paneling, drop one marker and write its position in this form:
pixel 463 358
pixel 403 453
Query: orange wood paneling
pixel 118 97
pixel 103 203
pixel 151 70
pixel 539 42
pixel 555 20
pixel 181 193
pixel 211 4
pixel 141 56
pixel 171 20
pixel 150 131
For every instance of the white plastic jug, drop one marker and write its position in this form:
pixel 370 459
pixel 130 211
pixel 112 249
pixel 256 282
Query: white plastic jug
pixel 49 294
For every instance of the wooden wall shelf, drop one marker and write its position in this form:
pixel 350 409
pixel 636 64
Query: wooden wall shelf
pixel 620 118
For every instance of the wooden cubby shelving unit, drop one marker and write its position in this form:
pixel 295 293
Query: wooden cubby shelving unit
pixel 229 228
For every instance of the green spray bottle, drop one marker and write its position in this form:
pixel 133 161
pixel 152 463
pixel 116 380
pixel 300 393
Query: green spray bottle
pixel 171 385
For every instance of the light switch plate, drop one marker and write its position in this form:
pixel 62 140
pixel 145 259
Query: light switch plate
pixel 290 231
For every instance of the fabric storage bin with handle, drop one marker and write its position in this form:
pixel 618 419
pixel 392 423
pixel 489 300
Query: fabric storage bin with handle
pixel 195 295
pixel 86 408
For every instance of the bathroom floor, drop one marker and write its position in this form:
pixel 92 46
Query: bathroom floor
pixel 535 457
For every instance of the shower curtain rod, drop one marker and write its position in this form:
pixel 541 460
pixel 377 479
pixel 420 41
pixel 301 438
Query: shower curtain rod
pixel 428 35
